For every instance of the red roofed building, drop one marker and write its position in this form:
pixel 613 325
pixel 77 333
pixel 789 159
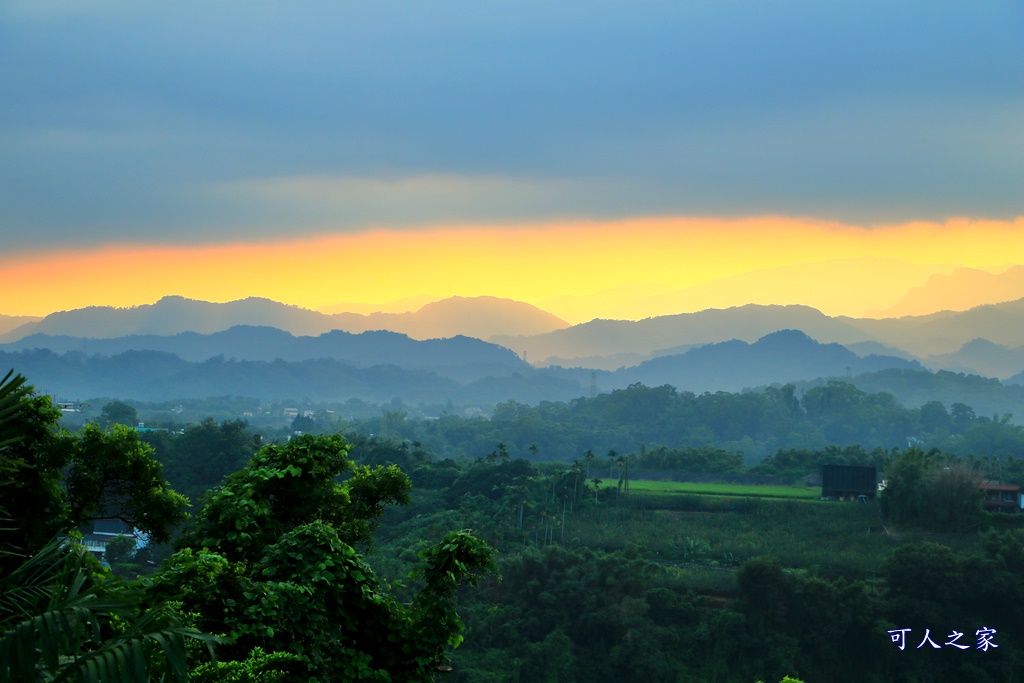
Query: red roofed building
pixel 1000 497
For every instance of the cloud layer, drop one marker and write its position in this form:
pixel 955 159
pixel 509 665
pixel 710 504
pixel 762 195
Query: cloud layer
pixel 185 122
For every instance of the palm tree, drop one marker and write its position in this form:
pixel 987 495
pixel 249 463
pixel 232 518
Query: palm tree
pixel 576 480
pixel 59 624
pixel 589 458
pixel 12 391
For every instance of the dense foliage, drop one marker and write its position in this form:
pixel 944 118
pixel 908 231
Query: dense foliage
pixel 756 424
pixel 59 619
pixel 269 564
pixel 597 582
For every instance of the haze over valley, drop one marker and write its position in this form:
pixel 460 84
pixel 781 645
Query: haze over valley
pixel 512 342
pixel 179 349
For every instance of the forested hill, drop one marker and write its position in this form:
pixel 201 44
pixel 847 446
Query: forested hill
pixel 756 423
pixel 480 316
pixel 268 364
pixel 463 358
pixel 735 365
pixel 603 343
pixel 986 340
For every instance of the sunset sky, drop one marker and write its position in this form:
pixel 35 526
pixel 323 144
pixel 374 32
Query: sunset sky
pixel 560 153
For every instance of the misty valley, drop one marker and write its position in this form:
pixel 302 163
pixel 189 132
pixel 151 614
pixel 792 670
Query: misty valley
pixel 511 342
pixel 251 504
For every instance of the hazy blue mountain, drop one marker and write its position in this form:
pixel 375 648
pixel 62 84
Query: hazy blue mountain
pixel 602 344
pixel 160 376
pixel 870 348
pixel 605 343
pixel 174 314
pixel 712 350
pixel 9 323
pixel 963 289
pixel 480 317
pixel 913 388
pixel 981 357
pixel 947 331
pixel 782 357
pixel 460 358
pixel 647 337
pixel 779 357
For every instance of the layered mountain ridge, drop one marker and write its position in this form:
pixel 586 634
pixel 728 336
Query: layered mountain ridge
pixel 175 346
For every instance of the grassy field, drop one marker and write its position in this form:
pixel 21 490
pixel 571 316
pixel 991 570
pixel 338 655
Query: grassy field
pixel 838 538
pixel 645 486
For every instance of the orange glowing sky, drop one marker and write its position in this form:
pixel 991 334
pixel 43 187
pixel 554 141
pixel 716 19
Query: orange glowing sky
pixel 597 161
pixel 565 267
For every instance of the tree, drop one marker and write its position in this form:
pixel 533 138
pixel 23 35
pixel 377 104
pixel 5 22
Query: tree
pixel 924 489
pixel 903 498
pixel 118 412
pixel 953 498
pixel 59 481
pixel 204 454
pixel 59 620
pixel 271 562
pixel 303 424
pixel 112 474
pixel 935 418
pixel 12 407
pixel 588 457
pixel 926 582
pixel 764 591
pixel 120 549
pixel 962 417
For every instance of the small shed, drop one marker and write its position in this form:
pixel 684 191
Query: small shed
pixel 848 482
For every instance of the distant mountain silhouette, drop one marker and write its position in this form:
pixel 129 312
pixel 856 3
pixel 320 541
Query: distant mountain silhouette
pixel 982 357
pixel 480 317
pixel 784 356
pixel 919 336
pixel 836 286
pixel 947 331
pixel 545 339
pixel 483 317
pixel 159 376
pixel 377 366
pixel 725 349
pixel 403 305
pixel 173 314
pixel 647 337
pixel 9 323
pixel 963 289
pixel 461 358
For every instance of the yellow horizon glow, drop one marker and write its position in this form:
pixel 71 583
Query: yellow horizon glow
pixel 530 263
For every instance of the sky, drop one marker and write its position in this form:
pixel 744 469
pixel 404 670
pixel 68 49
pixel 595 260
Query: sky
pixel 315 151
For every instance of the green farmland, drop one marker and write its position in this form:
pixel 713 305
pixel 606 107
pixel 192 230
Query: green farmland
pixel 647 486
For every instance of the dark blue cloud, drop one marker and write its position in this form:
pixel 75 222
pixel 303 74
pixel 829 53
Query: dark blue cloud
pixel 121 118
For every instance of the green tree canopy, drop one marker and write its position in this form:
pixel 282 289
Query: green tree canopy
pixel 118 412
pixel 270 562
pixel 59 481
pixel 59 618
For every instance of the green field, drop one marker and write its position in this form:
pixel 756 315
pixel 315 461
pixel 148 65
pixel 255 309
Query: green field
pixel 712 489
